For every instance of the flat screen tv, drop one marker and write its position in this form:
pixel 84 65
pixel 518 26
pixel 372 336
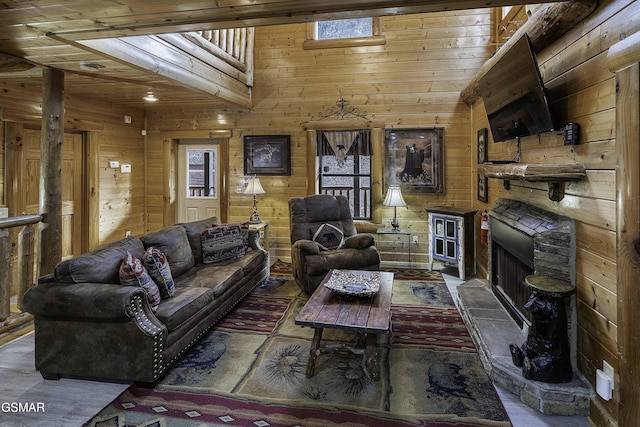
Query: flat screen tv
pixel 514 95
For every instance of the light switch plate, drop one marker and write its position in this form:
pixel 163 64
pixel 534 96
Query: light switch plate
pixel 125 168
pixel 114 164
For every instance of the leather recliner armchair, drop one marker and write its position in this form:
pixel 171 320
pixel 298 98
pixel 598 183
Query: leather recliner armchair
pixel 324 237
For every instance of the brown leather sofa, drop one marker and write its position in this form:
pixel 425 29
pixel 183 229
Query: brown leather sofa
pixel 89 325
pixel 324 237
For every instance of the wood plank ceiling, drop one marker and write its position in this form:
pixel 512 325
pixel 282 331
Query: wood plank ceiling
pixel 44 33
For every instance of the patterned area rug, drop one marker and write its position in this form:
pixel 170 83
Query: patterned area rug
pixel 250 370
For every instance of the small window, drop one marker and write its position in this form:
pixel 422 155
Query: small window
pixel 344 28
pixel 345 33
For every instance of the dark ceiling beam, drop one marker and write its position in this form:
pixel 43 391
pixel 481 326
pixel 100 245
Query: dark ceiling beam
pixel 544 27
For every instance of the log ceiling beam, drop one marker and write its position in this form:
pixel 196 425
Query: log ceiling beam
pixel 545 26
pixel 242 13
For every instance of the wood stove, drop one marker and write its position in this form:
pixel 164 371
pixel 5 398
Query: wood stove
pixel 524 240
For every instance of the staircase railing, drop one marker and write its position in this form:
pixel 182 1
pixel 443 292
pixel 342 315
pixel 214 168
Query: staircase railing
pixel 25 266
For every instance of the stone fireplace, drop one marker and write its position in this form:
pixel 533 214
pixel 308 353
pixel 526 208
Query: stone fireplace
pixel 523 240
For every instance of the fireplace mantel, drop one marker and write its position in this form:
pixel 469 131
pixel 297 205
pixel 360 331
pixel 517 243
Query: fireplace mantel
pixel 553 173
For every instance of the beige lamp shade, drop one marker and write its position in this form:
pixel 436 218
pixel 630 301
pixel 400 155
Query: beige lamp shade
pixel 254 187
pixel 394 198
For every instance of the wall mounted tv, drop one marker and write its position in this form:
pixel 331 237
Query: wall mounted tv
pixel 514 95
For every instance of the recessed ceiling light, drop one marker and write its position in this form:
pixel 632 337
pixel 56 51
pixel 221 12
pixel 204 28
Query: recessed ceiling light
pixel 89 66
pixel 150 97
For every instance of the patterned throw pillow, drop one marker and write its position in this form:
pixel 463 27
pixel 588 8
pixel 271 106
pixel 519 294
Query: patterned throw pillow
pixel 159 270
pixel 133 273
pixel 224 242
pixel 329 237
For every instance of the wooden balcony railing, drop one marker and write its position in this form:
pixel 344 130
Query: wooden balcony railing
pixel 232 45
pixel 26 268
pixel 363 199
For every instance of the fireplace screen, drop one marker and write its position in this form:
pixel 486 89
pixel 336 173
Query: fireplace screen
pixel 511 262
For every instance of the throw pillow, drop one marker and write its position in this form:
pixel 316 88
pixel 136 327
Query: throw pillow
pixel 133 273
pixel 159 270
pixel 224 242
pixel 328 236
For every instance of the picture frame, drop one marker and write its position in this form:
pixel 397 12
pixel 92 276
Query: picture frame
pixel 483 191
pixel 267 155
pixel 483 156
pixel 414 159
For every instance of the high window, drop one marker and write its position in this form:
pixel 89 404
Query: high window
pixel 345 158
pixel 344 28
pixel 344 33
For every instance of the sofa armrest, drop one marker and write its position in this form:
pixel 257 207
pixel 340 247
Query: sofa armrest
pixel 84 300
pixel 306 247
pixel 359 241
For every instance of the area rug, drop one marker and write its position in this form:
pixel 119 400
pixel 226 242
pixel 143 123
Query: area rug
pixel 250 370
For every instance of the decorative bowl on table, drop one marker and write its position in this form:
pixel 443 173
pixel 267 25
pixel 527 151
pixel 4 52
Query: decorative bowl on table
pixel 352 284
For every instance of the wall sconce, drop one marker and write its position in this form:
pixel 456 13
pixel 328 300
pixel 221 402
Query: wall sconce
pixel 394 198
pixel 254 187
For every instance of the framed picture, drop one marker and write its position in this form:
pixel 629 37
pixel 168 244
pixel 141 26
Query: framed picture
pixel 483 191
pixel 267 155
pixel 414 159
pixel 482 146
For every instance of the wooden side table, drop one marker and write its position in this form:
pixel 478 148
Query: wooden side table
pixel 451 237
pixel 388 232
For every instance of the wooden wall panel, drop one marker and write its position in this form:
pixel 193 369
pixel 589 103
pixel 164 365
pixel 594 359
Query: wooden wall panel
pixel 3 201
pixel 412 81
pixel 582 90
pixel 120 197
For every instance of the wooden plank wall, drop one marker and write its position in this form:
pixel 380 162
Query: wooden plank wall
pixel 3 201
pixel 575 72
pixel 117 200
pixel 412 81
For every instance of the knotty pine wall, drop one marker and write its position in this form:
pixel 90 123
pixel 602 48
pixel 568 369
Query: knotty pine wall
pixel 116 201
pixel 575 72
pixel 413 81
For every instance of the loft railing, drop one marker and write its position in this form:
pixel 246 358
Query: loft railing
pixel 25 265
pixel 232 40
pixel 232 45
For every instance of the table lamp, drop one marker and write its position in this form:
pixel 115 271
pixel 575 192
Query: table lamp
pixel 254 187
pixel 394 198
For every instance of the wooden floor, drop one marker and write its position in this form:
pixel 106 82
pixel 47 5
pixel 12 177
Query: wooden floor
pixel 70 402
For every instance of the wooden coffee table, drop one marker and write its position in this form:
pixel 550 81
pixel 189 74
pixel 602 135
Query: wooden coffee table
pixel 370 316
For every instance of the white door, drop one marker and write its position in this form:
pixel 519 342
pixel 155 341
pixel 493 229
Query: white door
pixel 198 180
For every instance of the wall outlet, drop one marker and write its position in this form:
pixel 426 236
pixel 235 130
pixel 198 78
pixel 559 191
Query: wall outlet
pixel 415 240
pixel 114 164
pixel 127 119
pixel 4 212
pixel 127 233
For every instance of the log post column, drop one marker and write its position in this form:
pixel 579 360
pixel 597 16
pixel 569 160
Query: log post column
pixel 51 169
pixel 624 59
